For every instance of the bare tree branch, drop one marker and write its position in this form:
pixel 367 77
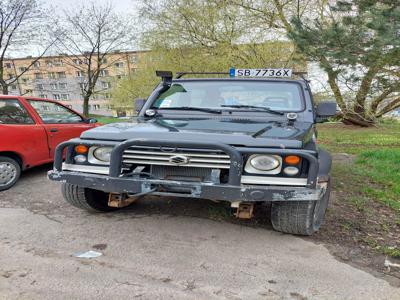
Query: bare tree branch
pixel 89 35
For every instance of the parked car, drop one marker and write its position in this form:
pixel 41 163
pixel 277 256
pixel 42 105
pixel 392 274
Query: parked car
pixel 30 130
pixel 241 140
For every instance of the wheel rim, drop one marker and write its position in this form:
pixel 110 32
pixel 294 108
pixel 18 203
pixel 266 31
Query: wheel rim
pixel 8 173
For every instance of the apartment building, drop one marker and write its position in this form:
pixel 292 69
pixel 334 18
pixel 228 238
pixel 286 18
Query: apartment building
pixel 61 78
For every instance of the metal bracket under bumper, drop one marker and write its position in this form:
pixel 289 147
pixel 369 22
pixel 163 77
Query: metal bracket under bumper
pixel 223 192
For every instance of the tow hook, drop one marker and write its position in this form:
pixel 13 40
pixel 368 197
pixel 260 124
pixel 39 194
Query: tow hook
pixel 243 210
pixel 120 200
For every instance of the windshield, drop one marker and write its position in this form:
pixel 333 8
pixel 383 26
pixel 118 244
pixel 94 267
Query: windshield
pixel 281 96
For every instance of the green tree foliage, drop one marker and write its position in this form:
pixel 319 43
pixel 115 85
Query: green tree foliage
pixel 357 43
pixel 182 39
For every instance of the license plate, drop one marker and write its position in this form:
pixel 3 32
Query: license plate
pixel 275 73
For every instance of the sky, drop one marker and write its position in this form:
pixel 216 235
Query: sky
pixel 120 5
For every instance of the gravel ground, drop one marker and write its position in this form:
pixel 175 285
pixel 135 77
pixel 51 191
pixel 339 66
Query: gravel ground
pixel 160 248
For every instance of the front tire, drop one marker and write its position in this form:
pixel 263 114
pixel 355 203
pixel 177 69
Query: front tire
pixel 85 198
pixel 300 217
pixel 10 171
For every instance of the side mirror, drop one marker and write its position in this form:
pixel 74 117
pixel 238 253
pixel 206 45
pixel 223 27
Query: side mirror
pixel 325 110
pixel 91 120
pixel 138 104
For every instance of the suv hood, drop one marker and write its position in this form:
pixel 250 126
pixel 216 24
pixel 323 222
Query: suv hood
pixel 232 131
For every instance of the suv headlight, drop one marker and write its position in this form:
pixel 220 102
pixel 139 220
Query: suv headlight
pixel 264 162
pixel 102 154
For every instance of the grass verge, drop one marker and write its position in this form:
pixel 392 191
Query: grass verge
pixel 366 210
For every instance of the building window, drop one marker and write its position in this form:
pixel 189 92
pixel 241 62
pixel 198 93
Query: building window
pixel 39 87
pixel 133 70
pixel 103 60
pixel 96 107
pixel 107 95
pixel 65 96
pixel 51 75
pixel 80 74
pixel 77 61
pixel 22 69
pixel 103 73
pixel 36 65
pixel 133 58
pixel 56 96
pixel 38 76
pixel 53 86
pixel 29 91
pixel 49 63
pixel 10 76
pixel 62 85
pixel 119 64
pixel 25 80
pixel 61 75
pixel 58 62
pixel 13 87
pixel 42 96
pixel 8 65
pixel 106 85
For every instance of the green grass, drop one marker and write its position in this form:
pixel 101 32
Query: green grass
pixel 377 161
pixel 374 175
pixel 382 167
pixel 107 120
pixel 354 140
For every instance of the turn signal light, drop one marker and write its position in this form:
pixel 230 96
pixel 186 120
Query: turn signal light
pixel 292 159
pixel 81 149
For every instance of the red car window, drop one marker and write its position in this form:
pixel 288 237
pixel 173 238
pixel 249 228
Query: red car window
pixel 52 113
pixel 12 112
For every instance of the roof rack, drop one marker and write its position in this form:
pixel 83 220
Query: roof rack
pixel 181 74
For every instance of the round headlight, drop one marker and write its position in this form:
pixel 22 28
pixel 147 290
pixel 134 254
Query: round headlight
pixel 264 162
pixel 103 153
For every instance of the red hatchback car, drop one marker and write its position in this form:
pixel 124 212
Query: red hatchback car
pixel 30 130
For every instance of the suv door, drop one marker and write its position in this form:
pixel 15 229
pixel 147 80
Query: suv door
pixel 61 123
pixel 21 134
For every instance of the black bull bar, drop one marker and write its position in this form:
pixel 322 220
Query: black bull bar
pixel 230 191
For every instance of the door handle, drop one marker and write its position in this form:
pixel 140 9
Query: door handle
pixel 53 130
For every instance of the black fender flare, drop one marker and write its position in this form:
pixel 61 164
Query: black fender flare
pixel 325 164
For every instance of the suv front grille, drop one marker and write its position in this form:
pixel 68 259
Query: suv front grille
pixel 166 156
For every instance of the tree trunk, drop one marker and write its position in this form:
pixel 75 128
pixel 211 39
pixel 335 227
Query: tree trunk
pixel 4 87
pixel 86 105
pixel 357 120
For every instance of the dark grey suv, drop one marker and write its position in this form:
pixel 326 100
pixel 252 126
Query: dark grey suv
pixel 244 139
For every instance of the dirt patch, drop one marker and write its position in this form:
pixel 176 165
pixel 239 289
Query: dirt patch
pixel 358 230
pixel 343 158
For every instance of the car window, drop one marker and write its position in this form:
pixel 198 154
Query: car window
pixel 52 113
pixel 283 96
pixel 12 112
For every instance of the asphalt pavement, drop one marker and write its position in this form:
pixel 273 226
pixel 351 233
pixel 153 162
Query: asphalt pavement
pixel 159 249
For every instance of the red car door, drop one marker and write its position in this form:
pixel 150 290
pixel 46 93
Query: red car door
pixel 60 123
pixel 21 133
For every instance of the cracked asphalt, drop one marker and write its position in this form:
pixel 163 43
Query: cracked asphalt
pixel 159 249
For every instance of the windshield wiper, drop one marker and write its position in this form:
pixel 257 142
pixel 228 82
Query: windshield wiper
pixel 267 109
pixel 203 109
